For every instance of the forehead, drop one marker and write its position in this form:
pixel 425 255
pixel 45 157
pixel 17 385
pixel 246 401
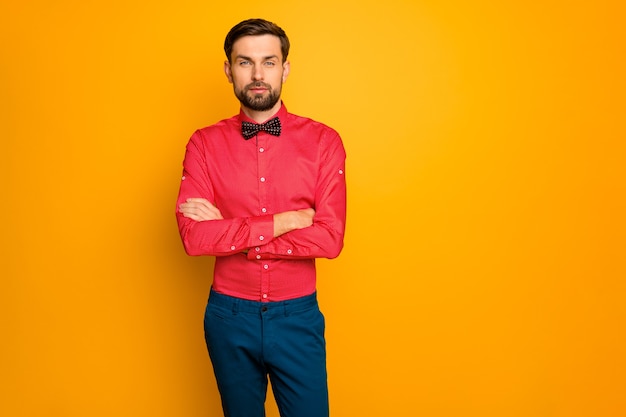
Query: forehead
pixel 260 46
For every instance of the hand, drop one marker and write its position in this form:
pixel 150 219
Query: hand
pixel 200 209
pixel 304 218
pixel 292 220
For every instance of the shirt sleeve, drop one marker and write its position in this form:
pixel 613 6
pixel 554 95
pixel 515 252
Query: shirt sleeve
pixel 324 239
pixel 214 237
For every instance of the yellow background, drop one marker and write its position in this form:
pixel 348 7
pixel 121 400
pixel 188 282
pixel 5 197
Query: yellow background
pixel 484 265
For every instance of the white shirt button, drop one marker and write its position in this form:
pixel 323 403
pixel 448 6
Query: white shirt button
pixel 183 178
pixel 264 210
pixel 261 150
pixel 257 249
pixel 258 256
pixel 289 251
pixel 341 171
pixel 261 237
pixel 262 179
pixel 232 247
pixel 266 266
pixel 264 295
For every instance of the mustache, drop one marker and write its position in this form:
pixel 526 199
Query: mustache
pixel 258 84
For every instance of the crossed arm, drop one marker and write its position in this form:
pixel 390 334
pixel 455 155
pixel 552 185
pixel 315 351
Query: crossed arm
pixel 201 209
pixel 299 233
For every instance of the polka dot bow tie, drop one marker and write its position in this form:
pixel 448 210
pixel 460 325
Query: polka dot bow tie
pixel 272 126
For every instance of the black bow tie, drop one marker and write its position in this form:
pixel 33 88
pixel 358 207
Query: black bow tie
pixel 272 127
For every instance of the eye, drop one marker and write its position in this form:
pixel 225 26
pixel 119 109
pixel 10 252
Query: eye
pixel 270 63
pixel 244 63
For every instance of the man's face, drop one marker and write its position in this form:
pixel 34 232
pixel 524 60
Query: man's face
pixel 257 71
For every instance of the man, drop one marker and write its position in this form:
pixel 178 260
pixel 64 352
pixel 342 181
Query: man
pixel 264 192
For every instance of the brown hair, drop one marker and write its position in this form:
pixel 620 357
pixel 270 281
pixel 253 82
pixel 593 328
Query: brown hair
pixel 256 27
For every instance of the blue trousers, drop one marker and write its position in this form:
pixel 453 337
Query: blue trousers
pixel 249 341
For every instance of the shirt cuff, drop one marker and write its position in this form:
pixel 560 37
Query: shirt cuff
pixel 261 233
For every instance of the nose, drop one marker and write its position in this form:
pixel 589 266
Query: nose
pixel 257 73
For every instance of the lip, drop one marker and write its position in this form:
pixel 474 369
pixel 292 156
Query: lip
pixel 259 90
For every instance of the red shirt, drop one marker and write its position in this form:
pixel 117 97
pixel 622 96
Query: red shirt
pixel 249 181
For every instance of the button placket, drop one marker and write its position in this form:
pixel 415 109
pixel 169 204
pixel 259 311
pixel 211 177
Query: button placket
pixel 263 180
pixel 262 164
pixel 265 279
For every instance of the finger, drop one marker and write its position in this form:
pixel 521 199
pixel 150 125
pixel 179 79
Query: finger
pixel 203 202
pixel 196 215
pixel 200 211
pixel 209 211
pixel 192 217
pixel 198 203
pixel 198 200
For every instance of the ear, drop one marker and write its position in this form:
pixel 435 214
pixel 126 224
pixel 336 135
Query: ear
pixel 228 71
pixel 286 69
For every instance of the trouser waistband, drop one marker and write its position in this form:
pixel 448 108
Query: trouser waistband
pixel 240 305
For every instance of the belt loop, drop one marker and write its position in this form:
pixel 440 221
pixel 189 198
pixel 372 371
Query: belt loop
pixel 285 308
pixel 235 307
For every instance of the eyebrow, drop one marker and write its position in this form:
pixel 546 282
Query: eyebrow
pixel 247 58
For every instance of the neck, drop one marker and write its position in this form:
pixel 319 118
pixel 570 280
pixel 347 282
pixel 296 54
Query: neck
pixel 261 116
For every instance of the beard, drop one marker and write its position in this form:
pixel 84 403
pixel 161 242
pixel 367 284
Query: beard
pixel 258 102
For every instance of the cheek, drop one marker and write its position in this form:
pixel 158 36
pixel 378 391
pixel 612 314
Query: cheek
pixel 238 82
pixel 239 76
pixel 278 80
